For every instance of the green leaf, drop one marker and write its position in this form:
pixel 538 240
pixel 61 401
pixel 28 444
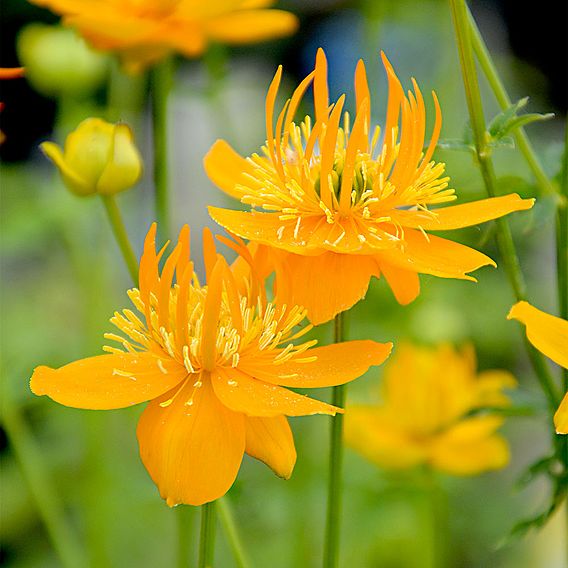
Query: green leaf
pixel 509 120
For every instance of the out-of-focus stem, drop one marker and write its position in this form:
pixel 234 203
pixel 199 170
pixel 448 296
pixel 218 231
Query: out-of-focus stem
pixel 37 479
pixel 230 529
pixel 161 84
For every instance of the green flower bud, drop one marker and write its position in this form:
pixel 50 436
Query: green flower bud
pixel 59 63
pixel 98 157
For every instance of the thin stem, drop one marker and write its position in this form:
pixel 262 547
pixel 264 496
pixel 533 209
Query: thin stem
pixel 207 538
pixel 121 236
pixel 161 84
pixel 184 524
pixel 230 528
pixel 504 236
pixel 334 488
pixel 490 71
pixel 37 479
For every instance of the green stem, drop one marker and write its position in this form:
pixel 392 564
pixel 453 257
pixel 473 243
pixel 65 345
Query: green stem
pixel 490 71
pixel 119 231
pixel 184 524
pixel 504 236
pixel 334 488
pixel 230 528
pixel 161 84
pixel 207 538
pixel 436 522
pixel 37 479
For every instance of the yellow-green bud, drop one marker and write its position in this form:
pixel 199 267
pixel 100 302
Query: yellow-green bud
pixel 98 157
pixel 59 63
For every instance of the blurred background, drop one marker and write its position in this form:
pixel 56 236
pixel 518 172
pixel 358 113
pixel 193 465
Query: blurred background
pixel 62 278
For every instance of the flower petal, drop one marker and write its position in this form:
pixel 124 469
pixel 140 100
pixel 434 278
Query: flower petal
pixel 242 393
pixel 192 452
pixel 547 333
pixel 463 215
pixel 433 255
pixel 227 169
pixel 251 26
pixel 404 284
pixel 471 447
pixel 561 416
pixel 108 381
pixel 335 365
pixel 270 440
pixel 325 284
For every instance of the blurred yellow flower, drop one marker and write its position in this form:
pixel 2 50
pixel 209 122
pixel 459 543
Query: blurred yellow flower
pixel 98 157
pixel 144 31
pixel 342 204
pixel 549 335
pixel 427 416
pixel 212 360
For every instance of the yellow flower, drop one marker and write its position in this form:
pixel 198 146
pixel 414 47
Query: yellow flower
pixel 144 31
pixel 212 360
pixel 99 157
pixel 549 335
pixel 341 204
pixel 426 414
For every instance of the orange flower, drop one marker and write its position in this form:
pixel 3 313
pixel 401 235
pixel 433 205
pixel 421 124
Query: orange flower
pixel 339 206
pixel 212 360
pixel 549 335
pixel 425 417
pixel 144 31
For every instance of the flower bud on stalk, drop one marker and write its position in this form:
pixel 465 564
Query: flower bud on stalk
pixel 98 157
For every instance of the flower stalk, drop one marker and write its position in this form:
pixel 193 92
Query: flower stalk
pixel 335 489
pixel 207 538
pixel 184 525
pixel 161 84
pixel 504 237
pixel 121 236
pixel 230 529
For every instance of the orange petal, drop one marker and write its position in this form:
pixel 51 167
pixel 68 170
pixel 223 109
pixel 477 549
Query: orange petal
pixel 405 284
pixel 321 92
pixel 108 381
pixel 547 333
pixel 325 284
pixel 335 365
pixel 434 255
pixel 191 451
pixel 241 393
pixel 464 215
pixel 227 169
pixel 561 416
pixel 11 72
pixel 251 26
pixel 471 447
pixel 270 440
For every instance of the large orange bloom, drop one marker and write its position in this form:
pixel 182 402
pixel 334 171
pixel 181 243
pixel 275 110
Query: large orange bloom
pixel 549 335
pixel 144 31
pixel 212 360
pixel 341 203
